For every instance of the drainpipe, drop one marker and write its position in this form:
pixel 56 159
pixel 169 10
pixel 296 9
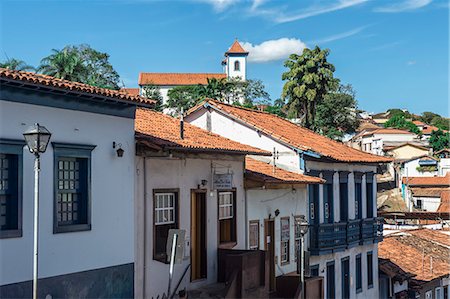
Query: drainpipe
pixel 145 228
pixel 246 212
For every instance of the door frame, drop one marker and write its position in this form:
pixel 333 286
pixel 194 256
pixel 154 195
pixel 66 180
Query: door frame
pixel 194 192
pixel 272 270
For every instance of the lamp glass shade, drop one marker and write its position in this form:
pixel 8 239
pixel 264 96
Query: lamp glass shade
pixel 303 225
pixel 37 138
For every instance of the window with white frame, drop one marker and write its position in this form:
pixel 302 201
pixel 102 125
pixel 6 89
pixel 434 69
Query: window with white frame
pixel 285 236
pixel 227 219
pixel 254 234
pixel 165 205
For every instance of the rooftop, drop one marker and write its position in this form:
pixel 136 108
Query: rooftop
pixel 162 132
pixel 428 192
pixel 444 206
pixel 294 135
pixel 428 181
pixel 265 172
pixel 424 253
pixel 178 78
pixel 387 131
pixel 19 78
pixel 130 91
pixel 236 48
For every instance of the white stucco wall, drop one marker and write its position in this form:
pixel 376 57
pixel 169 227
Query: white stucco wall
pixel 242 72
pixel 262 202
pixel 410 169
pixel 444 166
pixel 430 204
pixel 185 174
pixel 110 242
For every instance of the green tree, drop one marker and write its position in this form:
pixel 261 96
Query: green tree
pixel 308 80
pixel 395 112
pixel 337 113
pixel 440 122
pixel 182 97
pixel 255 91
pixel 399 122
pixel 439 140
pixel 16 65
pixel 153 92
pixel 81 64
pixel 428 116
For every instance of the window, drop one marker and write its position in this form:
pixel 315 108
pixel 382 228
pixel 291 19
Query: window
pixel 343 196
pixel 313 204
pixel 370 269
pixel 11 153
pixel 358 195
pixel 369 192
pixel 254 234
pixel 358 274
pixel 314 270
pixel 165 206
pixel 237 65
pixel 227 219
pixel 419 204
pixel 297 236
pixel 328 197
pixel 72 171
pixel 331 289
pixel 285 236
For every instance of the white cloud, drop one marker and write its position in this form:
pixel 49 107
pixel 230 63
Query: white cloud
pixel 317 10
pixel 273 50
pixel 220 5
pixel 403 6
pixel 340 35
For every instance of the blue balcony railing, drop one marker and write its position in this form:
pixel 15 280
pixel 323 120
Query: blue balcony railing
pixel 331 237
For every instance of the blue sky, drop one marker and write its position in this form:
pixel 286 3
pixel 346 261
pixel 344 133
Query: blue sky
pixel 394 53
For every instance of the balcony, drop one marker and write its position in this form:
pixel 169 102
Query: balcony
pixel 332 237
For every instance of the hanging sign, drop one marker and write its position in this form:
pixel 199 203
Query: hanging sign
pixel 222 181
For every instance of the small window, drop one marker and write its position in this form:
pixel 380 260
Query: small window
pixel 370 269
pixel 165 205
pixel 11 188
pixel 227 219
pixel 419 204
pixel 314 270
pixel 237 65
pixel 254 234
pixel 358 274
pixel 297 236
pixel 72 187
pixel 285 236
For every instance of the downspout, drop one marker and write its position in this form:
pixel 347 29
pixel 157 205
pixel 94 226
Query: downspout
pixel 145 229
pixel 246 212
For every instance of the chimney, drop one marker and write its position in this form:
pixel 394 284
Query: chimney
pixel 182 124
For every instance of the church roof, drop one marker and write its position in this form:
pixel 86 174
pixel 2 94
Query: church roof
pixel 178 78
pixel 236 48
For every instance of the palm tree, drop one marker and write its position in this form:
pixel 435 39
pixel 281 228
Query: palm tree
pixel 16 65
pixel 64 64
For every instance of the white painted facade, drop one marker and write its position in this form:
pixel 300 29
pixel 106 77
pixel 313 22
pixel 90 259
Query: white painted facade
pixel 429 204
pixel 109 242
pixel 184 174
pixel 444 166
pixel 289 159
pixel 236 66
pixel 409 169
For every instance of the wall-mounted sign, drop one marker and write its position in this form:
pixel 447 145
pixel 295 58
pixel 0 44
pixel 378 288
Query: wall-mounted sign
pixel 222 181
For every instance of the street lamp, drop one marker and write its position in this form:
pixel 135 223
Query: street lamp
pixel 37 138
pixel 302 225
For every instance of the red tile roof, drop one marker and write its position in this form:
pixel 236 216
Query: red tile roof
pixel 295 135
pixel 428 181
pixel 178 78
pixel 419 123
pixel 413 251
pixel 261 171
pixel 444 207
pixel 131 91
pixel 70 86
pixel 387 131
pixel 236 48
pixel 160 131
pixel 428 192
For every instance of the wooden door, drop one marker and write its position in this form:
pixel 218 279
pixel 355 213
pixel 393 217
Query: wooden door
pixel 269 246
pixel 198 235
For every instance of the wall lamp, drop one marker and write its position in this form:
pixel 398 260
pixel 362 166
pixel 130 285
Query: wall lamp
pixel 119 150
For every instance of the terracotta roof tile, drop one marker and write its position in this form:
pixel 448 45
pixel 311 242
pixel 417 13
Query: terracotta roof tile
pixel 161 131
pixel 236 48
pixel 412 251
pixel 131 91
pixel 444 206
pixel 428 181
pixel 178 78
pixel 295 135
pixel 387 131
pixel 261 171
pixel 428 192
pixel 70 86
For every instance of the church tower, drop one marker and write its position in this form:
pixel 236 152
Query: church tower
pixel 235 62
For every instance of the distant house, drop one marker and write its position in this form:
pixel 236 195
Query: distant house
pixel 414 264
pixel 86 189
pixel 444 161
pixel 425 129
pixel 234 66
pixel 414 188
pixel 190 179
pixel 343 227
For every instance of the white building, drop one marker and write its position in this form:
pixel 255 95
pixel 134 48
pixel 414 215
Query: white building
pixel 194 182
pixel 234 67
pixel 444 161
pixel 342 213
pixel 86 190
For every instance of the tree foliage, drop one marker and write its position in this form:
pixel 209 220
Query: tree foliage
pixel 337 113
pixel 16 65
pixel 439 140
pixel 182 98
pixel 399 121
pixel 81 64
pixel 153 92
pixel 308 80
